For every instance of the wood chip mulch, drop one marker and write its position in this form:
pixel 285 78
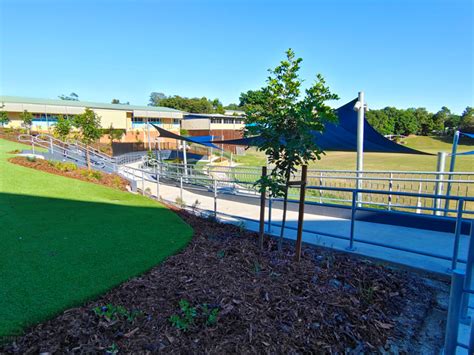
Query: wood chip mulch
pixel 328 303
pixel 110 180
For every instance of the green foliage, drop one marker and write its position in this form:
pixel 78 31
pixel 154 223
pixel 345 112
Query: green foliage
pixel 284 118
pixel 63 166
pixel 467 120
pixel 117 102
pixel 234 107
pixel 111 312
pixel 88 124
pixel 92 174
pixel 31 158
pixel 113 349
pixel 63 127
pixel 89 127
pixel 114 134
pixel 194 316
pixel 4 118
pixel 72 97
pixel 195 105
pixel 184 132
pixel 27 119
pixel 180 202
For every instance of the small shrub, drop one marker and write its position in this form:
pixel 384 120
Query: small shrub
pixel 180 202
pixel 64 167
pixel 31 158
pixel 111 313
pixel 195 205
pixel 148 191
pixel 116 181
pixel 97 175
pixel 194 316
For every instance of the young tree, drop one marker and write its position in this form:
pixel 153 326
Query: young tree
pixel 286 120
pixel 114 134
pixel 4 118
pixel 27 119
pixel 63 127
pixel 90 130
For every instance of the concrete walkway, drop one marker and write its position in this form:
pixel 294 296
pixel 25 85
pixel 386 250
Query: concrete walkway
pixel 236 208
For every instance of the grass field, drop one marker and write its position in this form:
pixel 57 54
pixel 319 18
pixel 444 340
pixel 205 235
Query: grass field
pixel 65 241
pixel 383 161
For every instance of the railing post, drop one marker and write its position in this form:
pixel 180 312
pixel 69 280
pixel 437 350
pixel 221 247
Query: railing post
pixel 215 198
pixel 471 339
pixel 320 184
pixel 390 188
pixel 299 233
pixel 468 278
pixel 439 182
pixel 181 188
pixel 270 203
pixel 452 322
pixel 418 201
pixel 262 211
pixel 143 182
pixel 353 212
pixel 457 233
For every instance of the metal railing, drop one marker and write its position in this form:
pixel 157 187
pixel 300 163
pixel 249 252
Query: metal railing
pixel 458 308
pixel 220 187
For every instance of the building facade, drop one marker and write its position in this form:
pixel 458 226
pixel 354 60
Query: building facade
pixel 221 127
pixel 132 119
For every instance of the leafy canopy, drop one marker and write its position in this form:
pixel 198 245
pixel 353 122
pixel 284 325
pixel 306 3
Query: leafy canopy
pixel 194 105
pixel 63 127
pixel 89 127
pixel 4 118
pixel 286 119
pixel 27 118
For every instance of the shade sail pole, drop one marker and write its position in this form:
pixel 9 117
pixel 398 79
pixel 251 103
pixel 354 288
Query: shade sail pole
pixel 360 108
pixel 451 169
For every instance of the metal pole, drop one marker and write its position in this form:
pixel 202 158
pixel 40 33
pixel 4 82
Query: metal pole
pixel 452 323
pixel 468 278
pixel 270 203
pixel 185 159
pixel 457 233
pixel 439 183
pixel 353 212
pixel 143 182
pixel 262 211
pixel 215 198
pixel 181 188
pixel 299 232
pixel 360 143
pixel 390 188
pixel 148 133
pixel 451 169
pixel 471 339
pixel 418 202
pixel 158 186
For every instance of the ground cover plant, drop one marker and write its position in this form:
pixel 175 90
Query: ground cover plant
pixel 65 241
pixel 223 295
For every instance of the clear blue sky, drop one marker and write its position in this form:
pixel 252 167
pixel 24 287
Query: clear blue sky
pixel 402 53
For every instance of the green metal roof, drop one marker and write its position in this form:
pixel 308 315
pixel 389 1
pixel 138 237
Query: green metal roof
pixel 57 102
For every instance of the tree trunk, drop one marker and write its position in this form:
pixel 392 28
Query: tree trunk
pixel 285 205
pixel 88 158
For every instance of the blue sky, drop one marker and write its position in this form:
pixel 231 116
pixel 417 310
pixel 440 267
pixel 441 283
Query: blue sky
pixel 401 53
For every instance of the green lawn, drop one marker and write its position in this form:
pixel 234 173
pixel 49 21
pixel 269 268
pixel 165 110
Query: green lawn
pixel 65 241
pixel 383 161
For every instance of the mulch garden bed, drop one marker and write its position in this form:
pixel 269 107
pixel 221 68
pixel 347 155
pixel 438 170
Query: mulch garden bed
pixel 72 171
pixel 222 295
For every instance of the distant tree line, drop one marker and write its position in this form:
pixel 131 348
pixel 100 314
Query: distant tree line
pixel 391 120
pixel 194 105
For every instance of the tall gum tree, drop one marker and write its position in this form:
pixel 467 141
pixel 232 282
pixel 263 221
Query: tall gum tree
pixel 286 118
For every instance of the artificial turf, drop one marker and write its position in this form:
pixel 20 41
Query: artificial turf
pixel 64 241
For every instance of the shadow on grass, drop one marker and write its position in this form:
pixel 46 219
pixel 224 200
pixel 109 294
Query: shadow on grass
pixel 58 253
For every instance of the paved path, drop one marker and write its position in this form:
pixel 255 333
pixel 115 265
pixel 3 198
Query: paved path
pixel 235 207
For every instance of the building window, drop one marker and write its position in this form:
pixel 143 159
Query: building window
pixel 228 120
pixel 216 120
pixel 175 121
pixel 238 121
